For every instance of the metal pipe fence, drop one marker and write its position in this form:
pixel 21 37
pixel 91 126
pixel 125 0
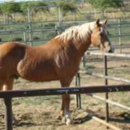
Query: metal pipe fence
pixel 8 95
pixel 106 78
pixel 116 29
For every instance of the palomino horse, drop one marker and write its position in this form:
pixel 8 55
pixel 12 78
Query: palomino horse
pixel 58 59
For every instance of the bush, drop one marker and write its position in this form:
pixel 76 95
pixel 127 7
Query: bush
pixel 36 38
pixel 17 39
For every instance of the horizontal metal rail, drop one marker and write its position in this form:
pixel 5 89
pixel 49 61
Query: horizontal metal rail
pixel 108 54
pixel 123 45
pixel 106 77
pixel 26 30
pixel 110 102
pixel 60 91
pixel 8 95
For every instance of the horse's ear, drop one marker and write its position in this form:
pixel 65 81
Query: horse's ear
pixel 97 22
pixel 105 22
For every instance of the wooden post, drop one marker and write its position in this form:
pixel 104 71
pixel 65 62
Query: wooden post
pixel 60 15
pixel 119 34
pixel 24 36
pixel 30 28
pixel 84 60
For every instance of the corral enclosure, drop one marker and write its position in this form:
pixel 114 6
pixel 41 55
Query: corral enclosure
pixel 40 28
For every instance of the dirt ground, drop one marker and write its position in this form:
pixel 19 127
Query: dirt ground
pixel 40 113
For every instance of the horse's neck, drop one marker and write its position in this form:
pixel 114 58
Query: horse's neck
pixel 84 40
pixel 82 46
pixel 78 39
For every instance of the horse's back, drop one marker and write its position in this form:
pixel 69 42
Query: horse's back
pixel 9 48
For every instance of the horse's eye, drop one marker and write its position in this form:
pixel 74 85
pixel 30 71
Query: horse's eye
pixel 101 34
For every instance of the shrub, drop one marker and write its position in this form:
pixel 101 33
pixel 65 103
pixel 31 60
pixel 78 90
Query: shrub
pixel 17 39
pixel 36 38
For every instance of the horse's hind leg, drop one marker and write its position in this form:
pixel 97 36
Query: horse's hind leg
pixel 1 85
pixel 8 85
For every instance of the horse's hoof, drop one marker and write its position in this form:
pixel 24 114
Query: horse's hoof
pixel 63 120
pixel 59 118
pixel 68 122
pixel 15 121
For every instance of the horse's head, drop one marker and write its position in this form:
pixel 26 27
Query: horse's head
pixel 99 37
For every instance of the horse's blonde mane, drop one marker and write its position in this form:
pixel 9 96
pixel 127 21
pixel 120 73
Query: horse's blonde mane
pixel 78 33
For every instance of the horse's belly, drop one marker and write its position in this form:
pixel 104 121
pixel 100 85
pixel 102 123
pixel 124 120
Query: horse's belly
pixel 38 73
pixel 39 77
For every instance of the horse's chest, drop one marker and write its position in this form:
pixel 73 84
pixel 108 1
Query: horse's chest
pixel 69 69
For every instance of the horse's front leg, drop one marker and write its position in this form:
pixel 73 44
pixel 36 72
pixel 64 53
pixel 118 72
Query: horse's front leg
pixel 65 107
pixel 64 113
pixel 61 115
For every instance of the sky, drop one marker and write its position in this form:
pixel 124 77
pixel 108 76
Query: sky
pixel 14 0
pixel 22 0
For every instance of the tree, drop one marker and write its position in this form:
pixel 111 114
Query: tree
pixel 36 6
pixel 9 8
pixel 104 4
pixel 67 7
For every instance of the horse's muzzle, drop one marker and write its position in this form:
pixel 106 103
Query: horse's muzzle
pixel 112 49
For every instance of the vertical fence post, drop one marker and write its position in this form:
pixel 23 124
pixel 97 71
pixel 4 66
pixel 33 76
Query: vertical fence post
pixel 78 96
pixel 24 36
pixel 119 34
pixel 8 113
pixel 59 15
pixel 106 83
pixel 84 60
pixel 30 28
